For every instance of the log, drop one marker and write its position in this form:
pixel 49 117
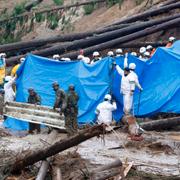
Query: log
pixel 168 2
pixel 161 124
pixel 45 164
pixel 32 44
pixel 62 48
pixel 57 147
pixel 128 38
pixel 43 170
pixel 30 5
pixel 57 175
pixel 149 13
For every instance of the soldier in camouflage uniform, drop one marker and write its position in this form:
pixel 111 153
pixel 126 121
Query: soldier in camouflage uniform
pixel 71 111
pixel 34 98
pixel 60 101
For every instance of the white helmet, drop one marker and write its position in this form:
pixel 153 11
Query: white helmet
pixel 110 53
pixel 56 56
pixel 67 59
pixel 147 54
pixel 172 38
pixel 108 97
pixel 7 78
pixel 142 50
pixel 149 47
pixel 96 54
pixel 134 54
pixel 80 57
pixel 22 60
pixel 132 66
pixel 119 51
pixel 2 55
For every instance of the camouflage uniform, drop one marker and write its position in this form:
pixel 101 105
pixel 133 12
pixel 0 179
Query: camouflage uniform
pixel 35 99
pixel 71 112
pixel 60 101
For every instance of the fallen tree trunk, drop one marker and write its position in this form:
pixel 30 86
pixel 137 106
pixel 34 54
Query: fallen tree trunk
pixel 62 48
pixel 161 124
pixel 168 2
pixel 149 13
pixel 57 147
pixel 128 38
pixel 30 45
pixel 30 5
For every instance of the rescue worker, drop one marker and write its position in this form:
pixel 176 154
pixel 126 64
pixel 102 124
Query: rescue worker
pixel 134 54
pixel 71 111
pixel 147 55
pixel 151 50
pixel 8 89
pixel 142 50
pixel 60 101
pixel 1 102
pixel 15 68
pixel 65 59
pixel 170 42
pixel 104 111
pixel 85 59
pixel 110 54
pixel 2 69
pixel 56 57
pixel 127 88
pixel 119 52
pixel 96 57
pixel 34 98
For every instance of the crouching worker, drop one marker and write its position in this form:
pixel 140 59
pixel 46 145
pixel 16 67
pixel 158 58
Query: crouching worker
pixel 104 111
pixel 71 111
pixel 34 98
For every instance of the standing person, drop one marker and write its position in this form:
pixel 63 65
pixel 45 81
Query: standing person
pixel 71 111
pixel 8 88
pixel 1 102
pixel 170 42
pixel 60 101
pixel 104 110
pixel 15 68
pixel 119 52
pixel 96 57
pixel 35 99
pixel 2 69
pixel 127 88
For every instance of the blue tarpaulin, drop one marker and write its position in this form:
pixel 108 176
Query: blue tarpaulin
pixel 159 77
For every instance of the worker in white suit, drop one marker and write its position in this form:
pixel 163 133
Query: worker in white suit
pixel 104 110
pixel 132 67
pixel 9 92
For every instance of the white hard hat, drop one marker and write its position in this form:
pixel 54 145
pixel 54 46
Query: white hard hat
pixel 56 56
pixel 134 54
pixel 142 50
pixel 149 47
pixel 67 59
pixel 110 53
pixel 95 54
pixel 2 55
pixel 80 57
pixel 132 66
pixel 22 60
pixel 172 38
pixel 119 51
pixel 108 97
pixel 147 54
pixel 7 78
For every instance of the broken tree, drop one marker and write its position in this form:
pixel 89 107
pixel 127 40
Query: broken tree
pixel 57 147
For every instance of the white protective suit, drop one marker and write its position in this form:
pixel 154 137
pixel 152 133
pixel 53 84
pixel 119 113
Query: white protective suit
pixel 9 93
pixel 133 74
pixel 127 89
pixel 104 111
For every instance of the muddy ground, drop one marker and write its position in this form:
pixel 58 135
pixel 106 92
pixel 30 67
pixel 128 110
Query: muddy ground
pixel 156 157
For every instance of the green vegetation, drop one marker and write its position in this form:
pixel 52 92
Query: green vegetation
pixel 19 9
pixel 59 2
pixel 89 8
pixel 110 3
